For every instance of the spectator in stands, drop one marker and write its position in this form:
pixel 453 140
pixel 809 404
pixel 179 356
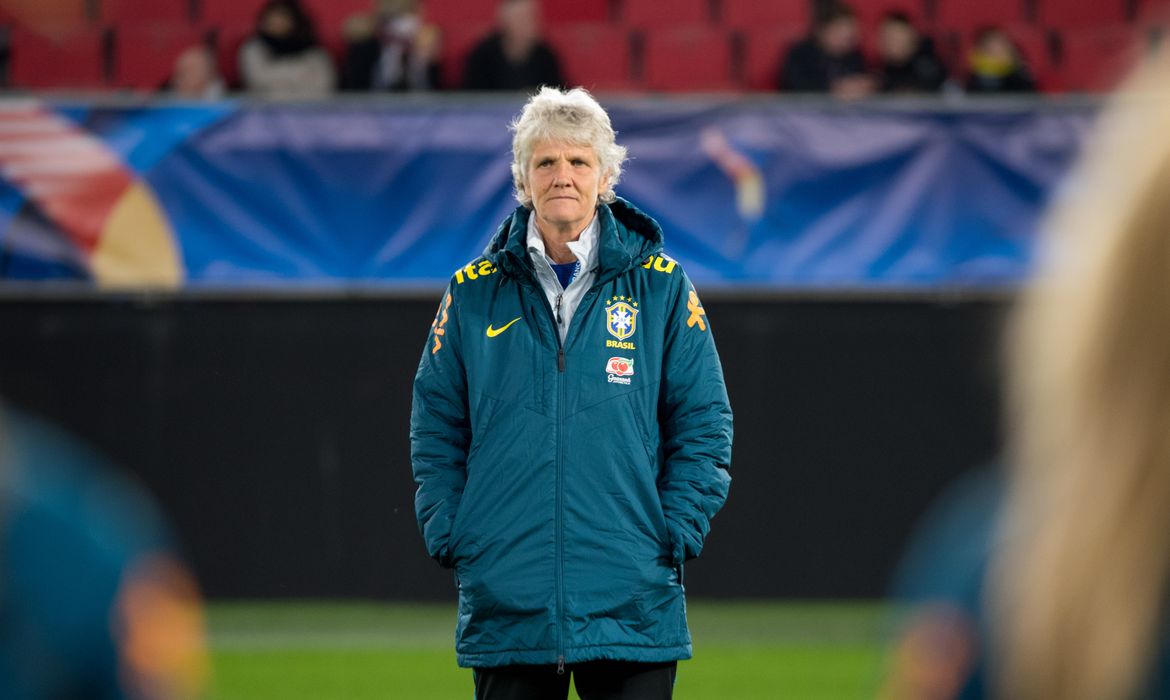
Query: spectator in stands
pixel 996 65
pixel 1058 585
pixel 391 49
pixel 196 75
pixel 514 57
pixel 829 59
pixel 908 61
pixel 284 58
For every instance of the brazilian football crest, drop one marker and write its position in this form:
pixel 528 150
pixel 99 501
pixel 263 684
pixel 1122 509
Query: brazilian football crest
pixel 621 317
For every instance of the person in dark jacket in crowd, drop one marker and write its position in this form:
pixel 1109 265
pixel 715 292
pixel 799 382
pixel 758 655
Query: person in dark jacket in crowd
pixel 514 57
pixel 996 65
pixel 571 432
pixel 829 60
pixel 391 49
pixel 908 61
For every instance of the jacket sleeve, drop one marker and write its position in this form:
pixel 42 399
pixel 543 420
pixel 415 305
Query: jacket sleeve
pixel 440 431
pixel 695 420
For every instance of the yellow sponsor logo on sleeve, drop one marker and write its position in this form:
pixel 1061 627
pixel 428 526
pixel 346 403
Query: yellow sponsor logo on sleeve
pixel 474 271
pixel 660 264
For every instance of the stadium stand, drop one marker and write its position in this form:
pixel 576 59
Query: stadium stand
pixel 453 13
pixel 697 57
pixel 1036 47
pixel 870 13
pixel 228 40
pixel 458 39
pixel 48 19
pixel 1152 12
pixel 1094 60
pixel 595 55
pixel 75 59
pixel 656 15
pixel 761 52
pixel 229 12
pixel 144 54
pixel 1062 14
pixel 760 14
pixel 557 12
pixel 606 44
pixel 967 17
pixel 329 15
pixel 115 12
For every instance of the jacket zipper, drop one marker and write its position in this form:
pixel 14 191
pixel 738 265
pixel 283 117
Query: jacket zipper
pixel 560 498
pixel 555 312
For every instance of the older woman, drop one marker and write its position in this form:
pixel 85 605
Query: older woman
pixel 571 433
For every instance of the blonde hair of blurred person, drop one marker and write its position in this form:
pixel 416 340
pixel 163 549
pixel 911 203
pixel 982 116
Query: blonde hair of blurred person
pixel 1078 589
pixel 196 75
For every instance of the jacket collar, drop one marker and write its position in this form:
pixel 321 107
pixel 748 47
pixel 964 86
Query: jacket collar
pixel 626 238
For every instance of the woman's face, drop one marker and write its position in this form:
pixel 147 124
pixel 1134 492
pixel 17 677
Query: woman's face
pixel 277 22
pixel 564 181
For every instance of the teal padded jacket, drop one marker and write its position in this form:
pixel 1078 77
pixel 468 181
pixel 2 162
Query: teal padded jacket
pixel 567 484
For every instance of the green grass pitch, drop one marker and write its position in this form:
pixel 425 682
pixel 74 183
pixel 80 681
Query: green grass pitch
pixel 359 651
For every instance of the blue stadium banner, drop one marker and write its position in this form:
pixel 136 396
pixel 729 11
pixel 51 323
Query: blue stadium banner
pixel 755 192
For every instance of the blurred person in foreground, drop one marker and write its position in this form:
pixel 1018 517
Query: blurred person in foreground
pixel 391 49
pixel 514 57
pixel 829 60
pixel 93 602
pixel 571 433
pixel 196 75
pixel 996 65
pixel 283 59
pixel 908 62
pixel 1057 586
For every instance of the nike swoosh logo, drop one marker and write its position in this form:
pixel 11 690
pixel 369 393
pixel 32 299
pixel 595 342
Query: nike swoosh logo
pixel 493 332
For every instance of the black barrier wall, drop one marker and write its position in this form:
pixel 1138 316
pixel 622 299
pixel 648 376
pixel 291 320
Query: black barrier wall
pixel 275 432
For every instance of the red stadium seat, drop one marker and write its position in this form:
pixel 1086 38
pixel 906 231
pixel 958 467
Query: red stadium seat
pixel 763 50
pixel 870 12
pixel 688 59
pixel 72 61
pixel 1035 47
pixel 141 11
pixel 451 13
pixel 765 14
pixel 229 39
pixel 1153 12
pixel 966 16
pixel 45 18
pixel 1080 14
pixel 595 56
pixel 230 12
pixel 330 15
pixel 651 14
pixel 557 12
pixel 457 41
pixel 1095 60
pixel 144 54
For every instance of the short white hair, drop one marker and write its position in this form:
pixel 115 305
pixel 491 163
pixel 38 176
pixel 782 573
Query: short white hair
pixel 572 116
